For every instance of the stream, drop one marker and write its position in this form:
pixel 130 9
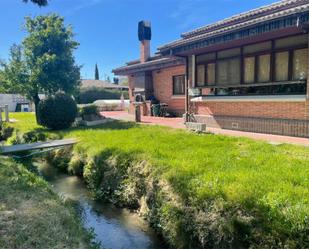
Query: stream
pixel 114 228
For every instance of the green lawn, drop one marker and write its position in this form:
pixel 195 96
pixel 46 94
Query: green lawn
pixel 253 187
pixel 32 216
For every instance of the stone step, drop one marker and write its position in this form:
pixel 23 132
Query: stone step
pixel 200 127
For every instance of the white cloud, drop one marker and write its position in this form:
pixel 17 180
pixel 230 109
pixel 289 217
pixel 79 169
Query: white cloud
pixel 78 5
pixel 190 13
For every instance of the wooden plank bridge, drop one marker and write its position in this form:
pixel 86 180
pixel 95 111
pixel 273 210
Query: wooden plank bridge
pixel 13 149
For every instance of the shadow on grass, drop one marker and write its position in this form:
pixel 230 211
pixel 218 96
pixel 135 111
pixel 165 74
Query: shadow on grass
pixel 113 125
pixel 27 162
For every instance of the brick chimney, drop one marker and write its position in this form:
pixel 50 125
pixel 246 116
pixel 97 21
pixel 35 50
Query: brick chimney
pixel 144 36
pixel 144 51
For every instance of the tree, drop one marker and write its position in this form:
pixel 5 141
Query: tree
pixel 96 72
pixel 116 80
pixel 38 2
pixel 2 83
pixel 2 79
pixel 13 74
pixel 57 112
pixel 44 63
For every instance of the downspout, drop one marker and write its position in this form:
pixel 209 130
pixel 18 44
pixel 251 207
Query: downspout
pixel 187 91
pixel 187 101
pixel 305 28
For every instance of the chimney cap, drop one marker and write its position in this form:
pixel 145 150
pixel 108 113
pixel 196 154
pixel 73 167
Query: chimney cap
pixel 144 30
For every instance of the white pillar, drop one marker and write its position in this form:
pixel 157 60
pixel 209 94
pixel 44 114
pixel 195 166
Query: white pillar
pixel 193 72
pixel 6 110
pixel 307 100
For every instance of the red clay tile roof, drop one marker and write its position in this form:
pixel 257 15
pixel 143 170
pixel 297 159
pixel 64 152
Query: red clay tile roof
pixel 265 13
pixel 268 9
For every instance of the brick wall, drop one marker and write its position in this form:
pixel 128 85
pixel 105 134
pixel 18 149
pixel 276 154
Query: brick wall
pixel 282 118
pixel 280 110
pixel 307 109
pixel 288 127
pixel 144 51
pixel 163 88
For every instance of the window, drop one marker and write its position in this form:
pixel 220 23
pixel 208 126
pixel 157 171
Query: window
pixel 292 41
pixel 229 53
pixel 200 75
pixel 234 71
pixel 229 71
pixel 270 67
pixel 211 74
pixel 282 66
pixel 206 74
pixel 300 64
pixel 259 47
pixel 223 67
pixel 285 89
pixel 179 85
pixel 205 69
pixel 249 69
pixel 204 58
pixel 264 68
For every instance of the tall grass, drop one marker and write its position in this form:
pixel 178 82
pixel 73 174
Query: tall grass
pixel 32 216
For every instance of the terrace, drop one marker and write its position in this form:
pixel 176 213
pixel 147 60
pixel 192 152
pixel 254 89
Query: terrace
pixel 178 123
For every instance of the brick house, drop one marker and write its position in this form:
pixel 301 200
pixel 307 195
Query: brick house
pixel 248 72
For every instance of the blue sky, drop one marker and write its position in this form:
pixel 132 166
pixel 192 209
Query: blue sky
pixel 107 29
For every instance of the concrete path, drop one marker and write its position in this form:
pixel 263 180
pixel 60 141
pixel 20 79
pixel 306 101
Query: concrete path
pixel 178 123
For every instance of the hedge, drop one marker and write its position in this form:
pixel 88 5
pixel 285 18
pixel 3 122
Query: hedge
pixel 89 95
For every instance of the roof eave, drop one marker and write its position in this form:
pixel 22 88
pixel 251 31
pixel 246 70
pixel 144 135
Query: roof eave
pixel 122 71
pixel 169 48
pixel 251 14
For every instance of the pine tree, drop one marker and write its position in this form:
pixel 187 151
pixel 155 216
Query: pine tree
pixel 96 73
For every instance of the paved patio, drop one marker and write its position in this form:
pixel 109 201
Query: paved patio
pixel 178 123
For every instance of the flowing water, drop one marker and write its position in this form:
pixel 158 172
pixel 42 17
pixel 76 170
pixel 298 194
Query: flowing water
pixel 114 228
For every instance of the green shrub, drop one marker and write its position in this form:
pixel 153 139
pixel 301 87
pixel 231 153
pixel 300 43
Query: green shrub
pixel 15 139
pixel 28 137
pixel 89 95
pixel 60 158
pixel 76 164
pixel 5 131
pixel 33 137
pixel 57 112
pixel 89 110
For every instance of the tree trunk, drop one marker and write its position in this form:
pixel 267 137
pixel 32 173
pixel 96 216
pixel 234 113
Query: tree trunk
pixel 36 100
